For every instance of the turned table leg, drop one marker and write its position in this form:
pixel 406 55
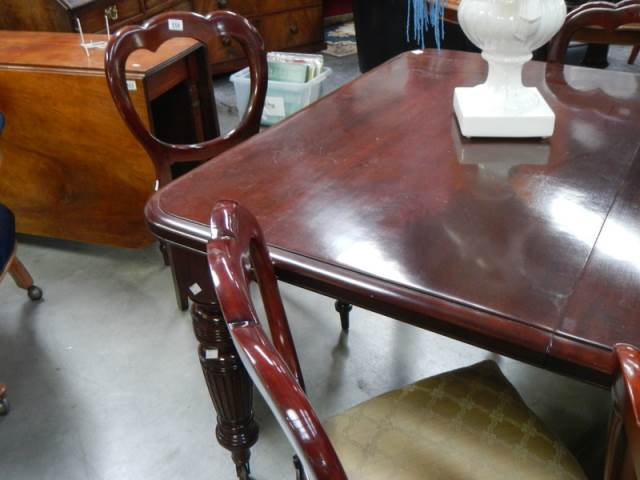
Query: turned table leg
pixel 343 308
pixel 229 384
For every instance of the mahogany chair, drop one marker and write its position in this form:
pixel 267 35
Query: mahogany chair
pixel 151 35
pixel 623 453
pixel 9 263
pixel 467 423
pixel 617 23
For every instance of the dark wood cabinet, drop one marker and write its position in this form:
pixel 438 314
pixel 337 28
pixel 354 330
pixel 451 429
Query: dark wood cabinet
pixel 295 25
pixel 69 166
pixel 60 15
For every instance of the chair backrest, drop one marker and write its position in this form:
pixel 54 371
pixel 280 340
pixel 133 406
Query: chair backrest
pixel 623 451
pixel 154 33
pixel 237 255
pixel 606 15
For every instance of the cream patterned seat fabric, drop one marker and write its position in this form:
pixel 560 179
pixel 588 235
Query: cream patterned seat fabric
pixel 465 424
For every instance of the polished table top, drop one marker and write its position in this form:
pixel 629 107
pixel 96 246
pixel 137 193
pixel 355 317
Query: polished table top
pixel 531 248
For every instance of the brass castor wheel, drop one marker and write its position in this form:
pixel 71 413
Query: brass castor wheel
pixel 4 406
pixel 34 292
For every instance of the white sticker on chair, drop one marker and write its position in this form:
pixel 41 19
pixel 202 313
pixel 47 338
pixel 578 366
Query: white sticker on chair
pixel 274 106
pixel 132 86
pixel 211 354
pixel 195 289
pixel 175 25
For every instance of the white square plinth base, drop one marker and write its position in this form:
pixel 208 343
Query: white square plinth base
pixel 482 114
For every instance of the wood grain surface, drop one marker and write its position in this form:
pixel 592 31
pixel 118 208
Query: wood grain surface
pixel 373 196
pixel 70 168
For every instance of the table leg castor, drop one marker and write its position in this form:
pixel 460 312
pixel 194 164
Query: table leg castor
pixel 34 292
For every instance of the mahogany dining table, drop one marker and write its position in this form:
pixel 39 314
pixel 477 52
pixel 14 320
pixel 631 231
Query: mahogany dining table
pixel 528 248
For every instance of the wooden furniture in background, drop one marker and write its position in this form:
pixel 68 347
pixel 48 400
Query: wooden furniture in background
pixel 623 453
pixel 295 25
pixel 525 248
pixel 71 169
pixel 157 31
pixel 60 15
pixel 598 23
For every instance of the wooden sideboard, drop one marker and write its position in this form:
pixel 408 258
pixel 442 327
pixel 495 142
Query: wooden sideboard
pixel 284 24
pixel 60 15
pixel 295 25
pixel 70 168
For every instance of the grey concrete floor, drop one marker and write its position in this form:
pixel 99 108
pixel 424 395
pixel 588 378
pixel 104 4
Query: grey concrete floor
pixel 105 383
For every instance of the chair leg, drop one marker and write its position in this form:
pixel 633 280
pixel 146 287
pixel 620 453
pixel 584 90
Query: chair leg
pixel 596 56
pixel 297 464
pixel 4 403
pixel 634 54
pixel 24 279
pixel 165 253
pixel 343 308
pixel 182 298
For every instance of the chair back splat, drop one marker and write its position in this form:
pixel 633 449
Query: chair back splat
pixel 237 255
pixel 154 33
pixel 606 15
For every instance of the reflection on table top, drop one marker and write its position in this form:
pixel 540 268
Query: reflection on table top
pixel 376 181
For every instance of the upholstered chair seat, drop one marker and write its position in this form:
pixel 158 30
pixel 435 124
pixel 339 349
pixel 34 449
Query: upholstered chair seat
pixel 7 236
pixel 469 423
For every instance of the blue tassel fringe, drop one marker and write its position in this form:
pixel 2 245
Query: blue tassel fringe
pixel 424 16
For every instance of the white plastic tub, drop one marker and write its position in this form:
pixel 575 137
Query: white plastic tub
pixel 283 98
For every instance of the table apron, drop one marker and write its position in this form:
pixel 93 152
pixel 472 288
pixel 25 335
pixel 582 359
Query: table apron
pixel 486 330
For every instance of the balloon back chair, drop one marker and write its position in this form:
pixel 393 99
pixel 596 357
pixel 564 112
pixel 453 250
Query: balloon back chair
pixel 467 423
pixel 204 29
pixel 617 23
pixel 9 263
pixel 150 36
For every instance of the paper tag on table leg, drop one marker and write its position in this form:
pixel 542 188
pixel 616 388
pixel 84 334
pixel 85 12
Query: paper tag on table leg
pixel 195 289
pixel 175 24
pixel 274 106
pixel 211 354
pixel 131 85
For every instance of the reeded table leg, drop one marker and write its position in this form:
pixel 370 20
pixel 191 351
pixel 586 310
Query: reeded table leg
pixel 229 384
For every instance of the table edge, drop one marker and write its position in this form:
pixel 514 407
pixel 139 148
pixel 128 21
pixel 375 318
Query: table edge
pixel 472 325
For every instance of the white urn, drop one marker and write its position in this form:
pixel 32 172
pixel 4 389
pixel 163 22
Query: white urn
pixel 507 31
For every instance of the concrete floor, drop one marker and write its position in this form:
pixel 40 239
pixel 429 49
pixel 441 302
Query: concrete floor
pixel 105 384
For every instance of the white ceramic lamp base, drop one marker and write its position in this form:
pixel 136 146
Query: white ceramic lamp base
pixel 506 31
pixel 483 113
